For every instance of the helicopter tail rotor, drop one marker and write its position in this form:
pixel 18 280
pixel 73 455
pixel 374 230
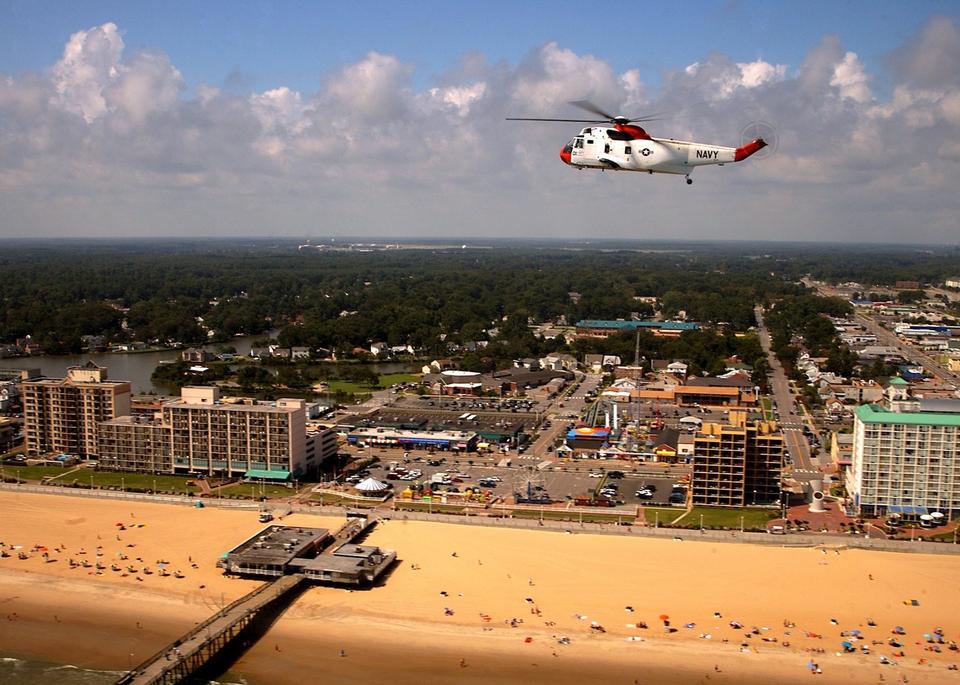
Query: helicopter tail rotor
pixel 765 133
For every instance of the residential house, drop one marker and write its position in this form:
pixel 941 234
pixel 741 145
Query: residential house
pixel 195 355
pixel 559 362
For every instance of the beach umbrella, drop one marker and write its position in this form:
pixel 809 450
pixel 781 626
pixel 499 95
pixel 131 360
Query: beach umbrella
pixel 664 617
pixel 846 644
pixel 854 632
pixel 899 630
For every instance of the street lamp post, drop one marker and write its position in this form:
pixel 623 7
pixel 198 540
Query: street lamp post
pixel 741 524
pixel 701 522
pixel 656 519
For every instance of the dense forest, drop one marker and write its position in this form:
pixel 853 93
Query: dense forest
pixel 161 292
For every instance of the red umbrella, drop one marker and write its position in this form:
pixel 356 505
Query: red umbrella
pixel 664 617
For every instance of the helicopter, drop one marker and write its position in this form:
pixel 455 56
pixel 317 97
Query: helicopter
pixel 619 144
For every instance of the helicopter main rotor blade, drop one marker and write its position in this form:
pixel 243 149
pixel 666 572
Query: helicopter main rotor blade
pixel 648 117
pixel 592 108
pixel 572 121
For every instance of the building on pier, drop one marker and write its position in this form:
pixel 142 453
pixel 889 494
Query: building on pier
pixel 282 550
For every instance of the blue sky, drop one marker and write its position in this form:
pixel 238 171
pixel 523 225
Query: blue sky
pixel 387 118
pixel 260 45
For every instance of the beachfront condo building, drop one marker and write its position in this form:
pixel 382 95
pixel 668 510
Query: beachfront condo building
pixel 906 457
pixel 61 415
pixel 200 433
pixel 738 464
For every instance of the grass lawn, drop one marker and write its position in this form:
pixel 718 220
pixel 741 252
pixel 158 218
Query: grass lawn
pixel 946 536
pixel 139 481
pixel 412 505
pixel 565 515
pixel 661 516
pixel 388 379
pixel 767 408
pixel 383 381
pixel 256 490
pixel 36 472
pixel 350 387
pixel 713 517
pixel 22 449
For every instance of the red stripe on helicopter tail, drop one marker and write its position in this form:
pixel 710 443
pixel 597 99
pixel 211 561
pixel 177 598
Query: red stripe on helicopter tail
pixel 745 151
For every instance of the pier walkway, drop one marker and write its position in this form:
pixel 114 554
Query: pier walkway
pixel 215 643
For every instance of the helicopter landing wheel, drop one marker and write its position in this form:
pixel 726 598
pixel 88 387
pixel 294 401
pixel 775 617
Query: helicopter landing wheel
pixel 689 181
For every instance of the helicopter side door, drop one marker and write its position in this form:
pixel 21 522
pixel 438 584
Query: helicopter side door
pixel 590 145
pixel 576 154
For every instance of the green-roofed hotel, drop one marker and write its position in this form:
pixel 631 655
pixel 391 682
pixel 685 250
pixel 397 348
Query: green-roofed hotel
pixel 906 456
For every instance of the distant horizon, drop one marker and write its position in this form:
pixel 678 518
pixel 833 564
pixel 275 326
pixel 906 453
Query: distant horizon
pixel 456 241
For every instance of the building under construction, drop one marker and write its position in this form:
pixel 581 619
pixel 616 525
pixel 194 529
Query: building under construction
pixel 738 464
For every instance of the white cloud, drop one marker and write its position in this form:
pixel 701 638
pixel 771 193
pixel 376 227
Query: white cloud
pixel 376 88
pixel 89 63
pixel 553 76
pixel 280 109
pixel 459 98
pixel 753 74
pixel 850 78
pixel 719 78
pixel 106 140
pixel 145 85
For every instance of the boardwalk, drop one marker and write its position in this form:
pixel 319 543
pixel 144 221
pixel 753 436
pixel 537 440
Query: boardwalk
pixel 216 642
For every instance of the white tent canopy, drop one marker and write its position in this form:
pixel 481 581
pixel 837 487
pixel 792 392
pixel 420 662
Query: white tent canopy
pixel 371 485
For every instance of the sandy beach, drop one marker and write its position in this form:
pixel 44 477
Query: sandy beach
pixel 482 604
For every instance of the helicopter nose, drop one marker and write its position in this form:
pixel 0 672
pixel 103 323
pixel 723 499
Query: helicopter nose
pixel 565 154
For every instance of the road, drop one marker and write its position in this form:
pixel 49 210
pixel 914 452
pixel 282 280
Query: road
pixel 885 337
pixel 805 468
pixel 573 402
pixel 910 352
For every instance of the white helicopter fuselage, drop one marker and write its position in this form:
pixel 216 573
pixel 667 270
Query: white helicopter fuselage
pixel 629 148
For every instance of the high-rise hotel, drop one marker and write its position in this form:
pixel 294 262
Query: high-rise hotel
pixel 906 456
pixel 62 414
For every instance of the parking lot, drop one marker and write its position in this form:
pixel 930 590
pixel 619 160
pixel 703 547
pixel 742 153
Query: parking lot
pixel 559 484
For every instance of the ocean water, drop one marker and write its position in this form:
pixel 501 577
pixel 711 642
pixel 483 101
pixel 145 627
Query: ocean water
pixel 14 671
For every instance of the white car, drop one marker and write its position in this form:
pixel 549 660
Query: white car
pixel 596 475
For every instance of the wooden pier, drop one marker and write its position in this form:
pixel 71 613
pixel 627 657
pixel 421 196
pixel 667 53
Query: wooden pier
pixel 286 553
pixel 213 645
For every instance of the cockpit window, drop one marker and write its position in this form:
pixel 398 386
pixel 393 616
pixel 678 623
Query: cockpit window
pixel 578 143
